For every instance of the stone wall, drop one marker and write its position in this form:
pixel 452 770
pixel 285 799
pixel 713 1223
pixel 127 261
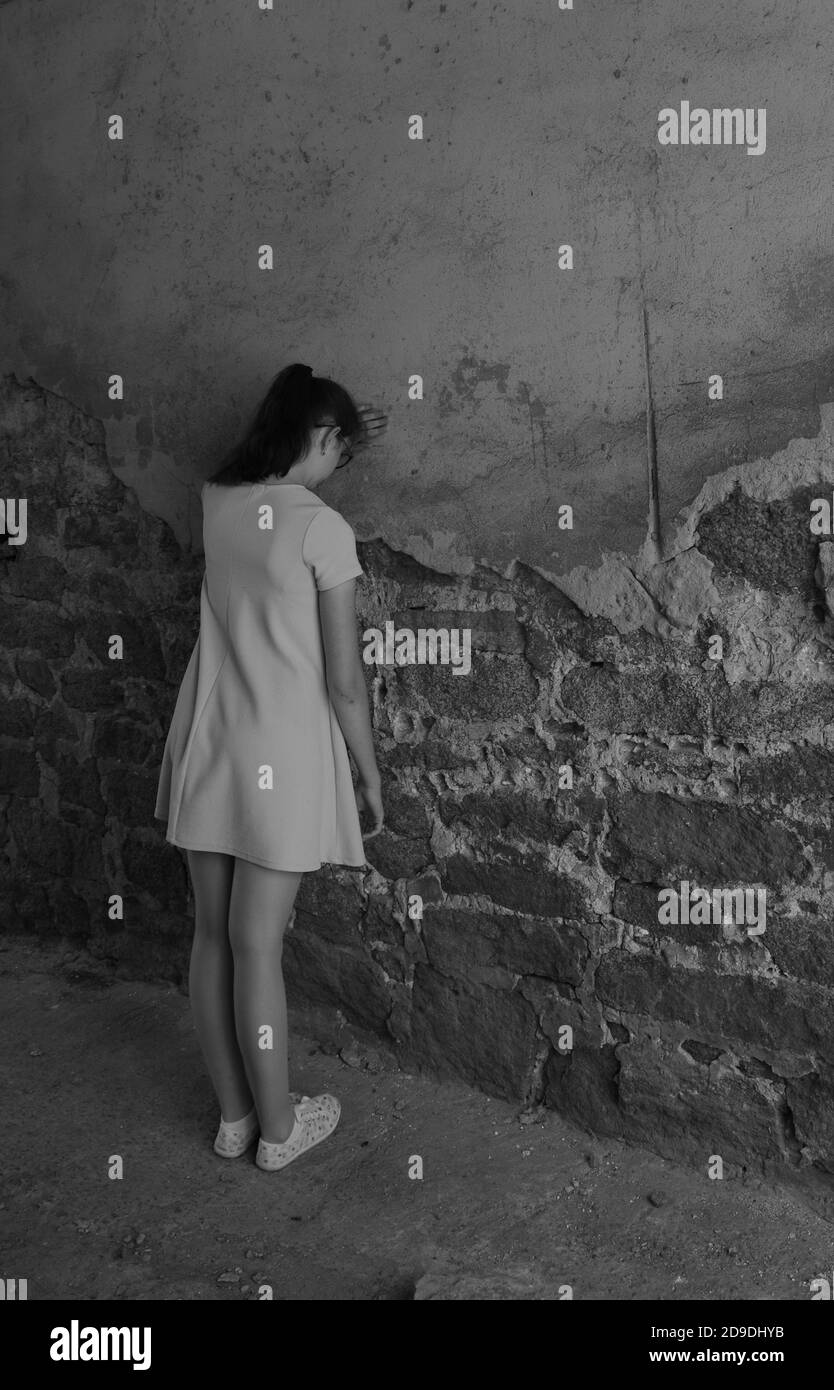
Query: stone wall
pixel 540 898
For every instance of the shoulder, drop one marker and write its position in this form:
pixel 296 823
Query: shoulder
pixel 330 522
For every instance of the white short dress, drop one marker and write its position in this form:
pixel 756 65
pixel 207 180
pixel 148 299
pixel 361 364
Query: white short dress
pixel 255 763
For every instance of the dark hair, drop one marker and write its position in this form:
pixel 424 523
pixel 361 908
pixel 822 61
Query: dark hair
pixel 280 431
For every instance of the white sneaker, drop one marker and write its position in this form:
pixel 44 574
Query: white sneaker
pixel 234 1140
pixel 314 1119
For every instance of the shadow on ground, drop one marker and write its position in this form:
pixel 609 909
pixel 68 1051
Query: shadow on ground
pixel 506 1208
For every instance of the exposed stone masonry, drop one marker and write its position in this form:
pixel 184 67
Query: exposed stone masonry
pixel 540 901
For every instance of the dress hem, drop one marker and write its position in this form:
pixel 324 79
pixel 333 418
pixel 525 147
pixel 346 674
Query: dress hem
pixel 253 859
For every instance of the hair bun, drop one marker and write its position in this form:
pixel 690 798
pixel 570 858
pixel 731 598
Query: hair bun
pixel 305 371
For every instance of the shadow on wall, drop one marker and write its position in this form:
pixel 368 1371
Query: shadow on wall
pixel 507 931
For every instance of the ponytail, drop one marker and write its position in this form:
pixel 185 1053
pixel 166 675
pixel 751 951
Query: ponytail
pixel 280 431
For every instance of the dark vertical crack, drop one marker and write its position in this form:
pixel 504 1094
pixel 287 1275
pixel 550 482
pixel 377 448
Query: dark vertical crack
pixel 651 440
pixel 787 1132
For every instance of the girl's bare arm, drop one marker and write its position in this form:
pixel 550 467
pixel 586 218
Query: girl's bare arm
pixel 345 676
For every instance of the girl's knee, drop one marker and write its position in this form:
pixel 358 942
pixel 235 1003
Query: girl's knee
pixel 248 938
pixel 260 907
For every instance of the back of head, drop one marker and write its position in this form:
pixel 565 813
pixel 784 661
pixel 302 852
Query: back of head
pixel 281 430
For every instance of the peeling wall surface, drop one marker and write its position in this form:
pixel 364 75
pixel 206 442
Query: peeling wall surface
pixel 641 711
pixel 438 256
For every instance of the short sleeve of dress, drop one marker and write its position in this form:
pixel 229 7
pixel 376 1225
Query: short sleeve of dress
pixel 329 549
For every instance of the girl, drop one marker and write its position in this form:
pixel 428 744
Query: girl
pixel 255 782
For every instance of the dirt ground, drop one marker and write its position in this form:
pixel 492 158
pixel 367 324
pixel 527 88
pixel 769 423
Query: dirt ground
pixel 506 1208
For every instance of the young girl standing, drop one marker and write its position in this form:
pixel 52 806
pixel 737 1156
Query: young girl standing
pixel 256 782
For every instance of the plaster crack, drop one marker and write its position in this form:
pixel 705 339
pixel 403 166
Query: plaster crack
pixel 651 440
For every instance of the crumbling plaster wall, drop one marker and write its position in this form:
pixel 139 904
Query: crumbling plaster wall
pixel 437 256
pixel 539 903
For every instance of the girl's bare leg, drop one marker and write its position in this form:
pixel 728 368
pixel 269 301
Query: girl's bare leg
pixel 260 906
pixel 211 981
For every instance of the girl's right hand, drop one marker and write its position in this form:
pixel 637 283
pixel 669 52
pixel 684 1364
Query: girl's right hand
pixel 369 802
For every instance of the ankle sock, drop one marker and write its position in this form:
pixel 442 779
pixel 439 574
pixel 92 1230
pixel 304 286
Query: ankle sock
pixel 233 1128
